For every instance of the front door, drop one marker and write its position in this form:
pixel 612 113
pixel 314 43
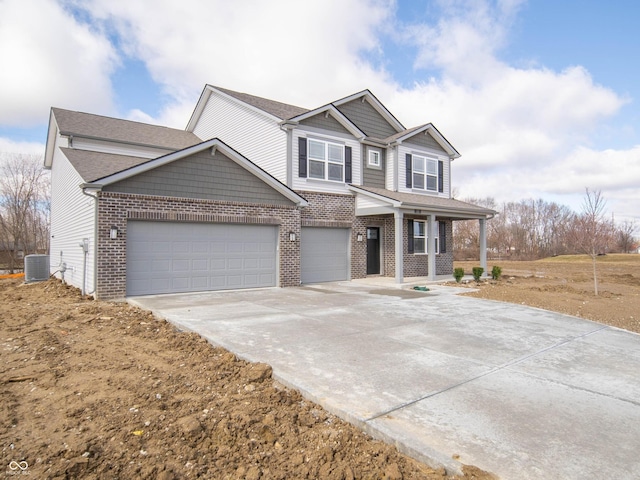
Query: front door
pixel 373 250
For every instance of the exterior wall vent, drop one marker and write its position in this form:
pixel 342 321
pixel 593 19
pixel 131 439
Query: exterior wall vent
pixel 36 268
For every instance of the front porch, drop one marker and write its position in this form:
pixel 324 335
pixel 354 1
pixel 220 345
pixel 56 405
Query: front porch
pixel 405 236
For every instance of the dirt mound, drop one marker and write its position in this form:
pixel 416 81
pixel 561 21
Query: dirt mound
pixel 567 287
pixel 99 390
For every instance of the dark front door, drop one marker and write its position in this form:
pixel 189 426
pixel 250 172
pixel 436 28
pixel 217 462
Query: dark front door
pixel 373 250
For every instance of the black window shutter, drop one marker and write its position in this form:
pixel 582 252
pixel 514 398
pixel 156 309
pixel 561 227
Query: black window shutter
pixel 302 157
pixel 347 164
pixel 410 236
pixel 409 174
pixel 440 176
pixel 442 226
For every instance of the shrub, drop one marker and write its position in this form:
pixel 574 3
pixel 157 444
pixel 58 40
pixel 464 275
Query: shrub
pixel 477 273
pixel 496 272
pixel 458 273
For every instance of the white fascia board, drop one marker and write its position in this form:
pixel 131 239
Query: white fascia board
pixel 246 105
pixel 335 113
pixel 382 198
pixel 52 133
pixel 430 128
pixel 213 144
pixel 197 111
pixel 375 103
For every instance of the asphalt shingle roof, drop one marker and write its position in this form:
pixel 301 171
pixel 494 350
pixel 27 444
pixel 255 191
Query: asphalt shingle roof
pixel 428 201
pixel 281 110
pixel 127 131
pixel 93 166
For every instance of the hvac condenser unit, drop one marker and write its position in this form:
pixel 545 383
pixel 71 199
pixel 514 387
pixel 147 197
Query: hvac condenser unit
pixel 36 268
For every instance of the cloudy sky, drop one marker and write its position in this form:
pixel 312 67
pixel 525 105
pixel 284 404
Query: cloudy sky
pixel 540 97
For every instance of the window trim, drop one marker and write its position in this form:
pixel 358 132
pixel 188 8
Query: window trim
pixel 374 152
pixel 425 237
pixel 425 175
pixel 326 160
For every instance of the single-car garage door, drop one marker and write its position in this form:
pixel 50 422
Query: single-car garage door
pixel 324 254
pixel 167 257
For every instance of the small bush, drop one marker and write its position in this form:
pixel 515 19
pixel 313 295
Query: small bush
pixel 477 273
pixel 458 273
pixel 496 272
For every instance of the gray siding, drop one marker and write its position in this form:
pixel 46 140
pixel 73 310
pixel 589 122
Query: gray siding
pixel 373 177
pixel 422 140
pixel 367 118
pixel 202 176
pixel 324 123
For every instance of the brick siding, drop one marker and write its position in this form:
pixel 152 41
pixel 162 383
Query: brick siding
pixel 114 209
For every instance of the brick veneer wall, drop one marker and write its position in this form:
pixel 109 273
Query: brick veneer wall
pixel 417 265
pixel 114 209
pixel 337 211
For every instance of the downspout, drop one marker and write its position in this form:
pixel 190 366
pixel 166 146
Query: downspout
pixel 95 237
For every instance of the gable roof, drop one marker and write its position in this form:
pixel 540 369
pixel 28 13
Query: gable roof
pixel 278 109
pixel 92 166
pixel 88 125
pixel 376 104
pixel 427 127
pixel 117 174
pixel 328 109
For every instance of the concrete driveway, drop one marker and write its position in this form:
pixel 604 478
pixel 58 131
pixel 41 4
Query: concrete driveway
pixel 518 391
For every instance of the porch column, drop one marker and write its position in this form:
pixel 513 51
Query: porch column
pixel 431 247
pixel 398 217
pixel 483 244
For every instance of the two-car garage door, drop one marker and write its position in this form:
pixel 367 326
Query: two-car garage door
pixel 168 257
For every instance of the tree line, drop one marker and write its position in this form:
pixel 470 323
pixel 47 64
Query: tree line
pixel 24 209
pixel 532 229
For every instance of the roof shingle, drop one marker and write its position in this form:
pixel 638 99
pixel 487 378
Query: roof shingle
pixel 118 130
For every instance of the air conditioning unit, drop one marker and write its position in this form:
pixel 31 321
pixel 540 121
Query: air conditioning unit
pixel 36 268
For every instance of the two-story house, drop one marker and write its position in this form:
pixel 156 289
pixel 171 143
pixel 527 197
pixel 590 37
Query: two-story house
pixel 253 193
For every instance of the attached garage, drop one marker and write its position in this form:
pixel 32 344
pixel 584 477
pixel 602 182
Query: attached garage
pixel 176 257
pixel 324 254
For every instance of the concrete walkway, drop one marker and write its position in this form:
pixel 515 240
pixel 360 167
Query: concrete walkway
pixel 518 391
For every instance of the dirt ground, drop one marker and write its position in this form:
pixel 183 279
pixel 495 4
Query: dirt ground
pixel 97 390
pixel 565 284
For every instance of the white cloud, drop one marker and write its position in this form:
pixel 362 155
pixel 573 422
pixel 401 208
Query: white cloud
pixel 9 146
pixel 303 53
pixel 523 131
pixel 49 59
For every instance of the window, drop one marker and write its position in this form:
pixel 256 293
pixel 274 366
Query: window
pixel 374 159
pixel 326 160
pixel 420 237
pixel 425 172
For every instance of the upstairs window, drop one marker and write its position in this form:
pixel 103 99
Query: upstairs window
pixel 374 160
pixel 326 160
pixel 425 172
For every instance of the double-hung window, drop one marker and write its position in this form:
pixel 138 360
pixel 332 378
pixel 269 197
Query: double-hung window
pixel 425 172
pixel 420 237
pixel 326 160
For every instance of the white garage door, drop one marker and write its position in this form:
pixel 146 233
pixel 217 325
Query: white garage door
pixel 166 257
pixel 324 254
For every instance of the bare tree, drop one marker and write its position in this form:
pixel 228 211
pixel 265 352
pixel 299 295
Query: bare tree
pixel 624 235
pixel 592 233
pixel 24 207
